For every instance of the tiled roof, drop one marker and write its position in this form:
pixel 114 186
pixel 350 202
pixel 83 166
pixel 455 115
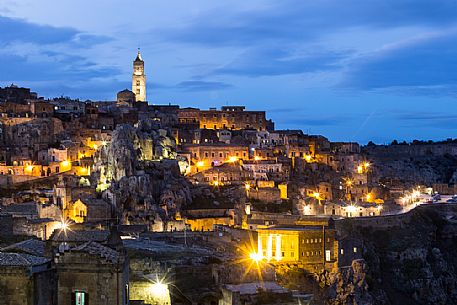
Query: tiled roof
pixel 20 208
pixel 80 236
pixel 252 288
pixel 20 260
pixel 29 246
pixel 98 249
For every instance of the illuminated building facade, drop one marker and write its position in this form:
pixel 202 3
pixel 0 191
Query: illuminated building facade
pixel 139 79
pixel 298 244
pixel 228 117
pixel 204 156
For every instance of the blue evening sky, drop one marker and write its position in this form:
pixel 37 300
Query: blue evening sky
pixel 348 69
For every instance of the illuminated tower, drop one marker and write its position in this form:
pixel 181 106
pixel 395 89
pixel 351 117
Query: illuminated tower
pixel 139 79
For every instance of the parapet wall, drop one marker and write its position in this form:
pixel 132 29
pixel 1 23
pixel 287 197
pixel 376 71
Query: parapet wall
pixel 390 221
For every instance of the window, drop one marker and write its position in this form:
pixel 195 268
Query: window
pixel 79 298
pixel 342 251
pixel 327 255
pixel 355 249
pixel 291 254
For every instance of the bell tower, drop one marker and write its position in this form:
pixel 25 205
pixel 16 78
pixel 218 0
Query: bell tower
pixel 139 79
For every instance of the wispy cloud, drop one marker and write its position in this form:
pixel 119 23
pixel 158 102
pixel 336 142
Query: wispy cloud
pixel 427 66
pixel 270 62
pixel 195 85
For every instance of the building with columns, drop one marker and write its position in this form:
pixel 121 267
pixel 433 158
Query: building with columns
pixel 139 79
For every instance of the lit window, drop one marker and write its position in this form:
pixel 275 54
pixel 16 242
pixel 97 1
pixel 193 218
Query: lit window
pixel 355 249
pixel 80 298
pixel 342 251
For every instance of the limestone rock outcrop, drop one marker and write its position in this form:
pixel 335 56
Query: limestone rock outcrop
pixel 349 285
pixel 142 174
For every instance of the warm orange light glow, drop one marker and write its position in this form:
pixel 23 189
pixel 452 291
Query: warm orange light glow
pixel 360 169
pixel 367 164
pixel 308 158
pixel 352 208
pixel 233 159
pixel 95 146
pixel 369 197
pixel 247 186
pixel 257 257
pixel 200 164
pixel 29 168
pixel 216 183
pixel 257 158
pixel 159 289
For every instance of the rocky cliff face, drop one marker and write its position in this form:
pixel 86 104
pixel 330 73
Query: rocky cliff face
pixel 139 172
pixel 413 263
pixel 413 164
pixel 349 285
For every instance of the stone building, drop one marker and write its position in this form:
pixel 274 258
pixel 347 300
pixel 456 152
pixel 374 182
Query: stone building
pixel 91 210
pixel 204 156
pixel 24 279
pixel 125 98
pixel 229 118
pixel 226 174
pixel 91 274
pixel 310 245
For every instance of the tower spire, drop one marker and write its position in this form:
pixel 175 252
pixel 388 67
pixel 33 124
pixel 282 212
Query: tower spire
pixel 138 57
pixel 139 78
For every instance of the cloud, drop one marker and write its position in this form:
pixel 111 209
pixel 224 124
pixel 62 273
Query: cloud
pixel 271 62
pixel 202 86
pixel 48 67
pixel 300 21
pixel 318 121
pixel 427 66
pixel 18 30
pixel 49 57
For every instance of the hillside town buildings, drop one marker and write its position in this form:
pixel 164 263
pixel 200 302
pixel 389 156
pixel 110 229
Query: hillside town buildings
pixel 93 193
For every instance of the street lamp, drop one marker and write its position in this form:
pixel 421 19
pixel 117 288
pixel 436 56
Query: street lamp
pixel 256 257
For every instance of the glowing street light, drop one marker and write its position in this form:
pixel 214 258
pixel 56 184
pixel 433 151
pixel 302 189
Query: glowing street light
pixel 256 257
pixel 159 289
pixel 308 158
pixel 200 164
pixel 352 208
pixel 247 186
pixel 360 169
pixel 257 158
pixel 233 159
